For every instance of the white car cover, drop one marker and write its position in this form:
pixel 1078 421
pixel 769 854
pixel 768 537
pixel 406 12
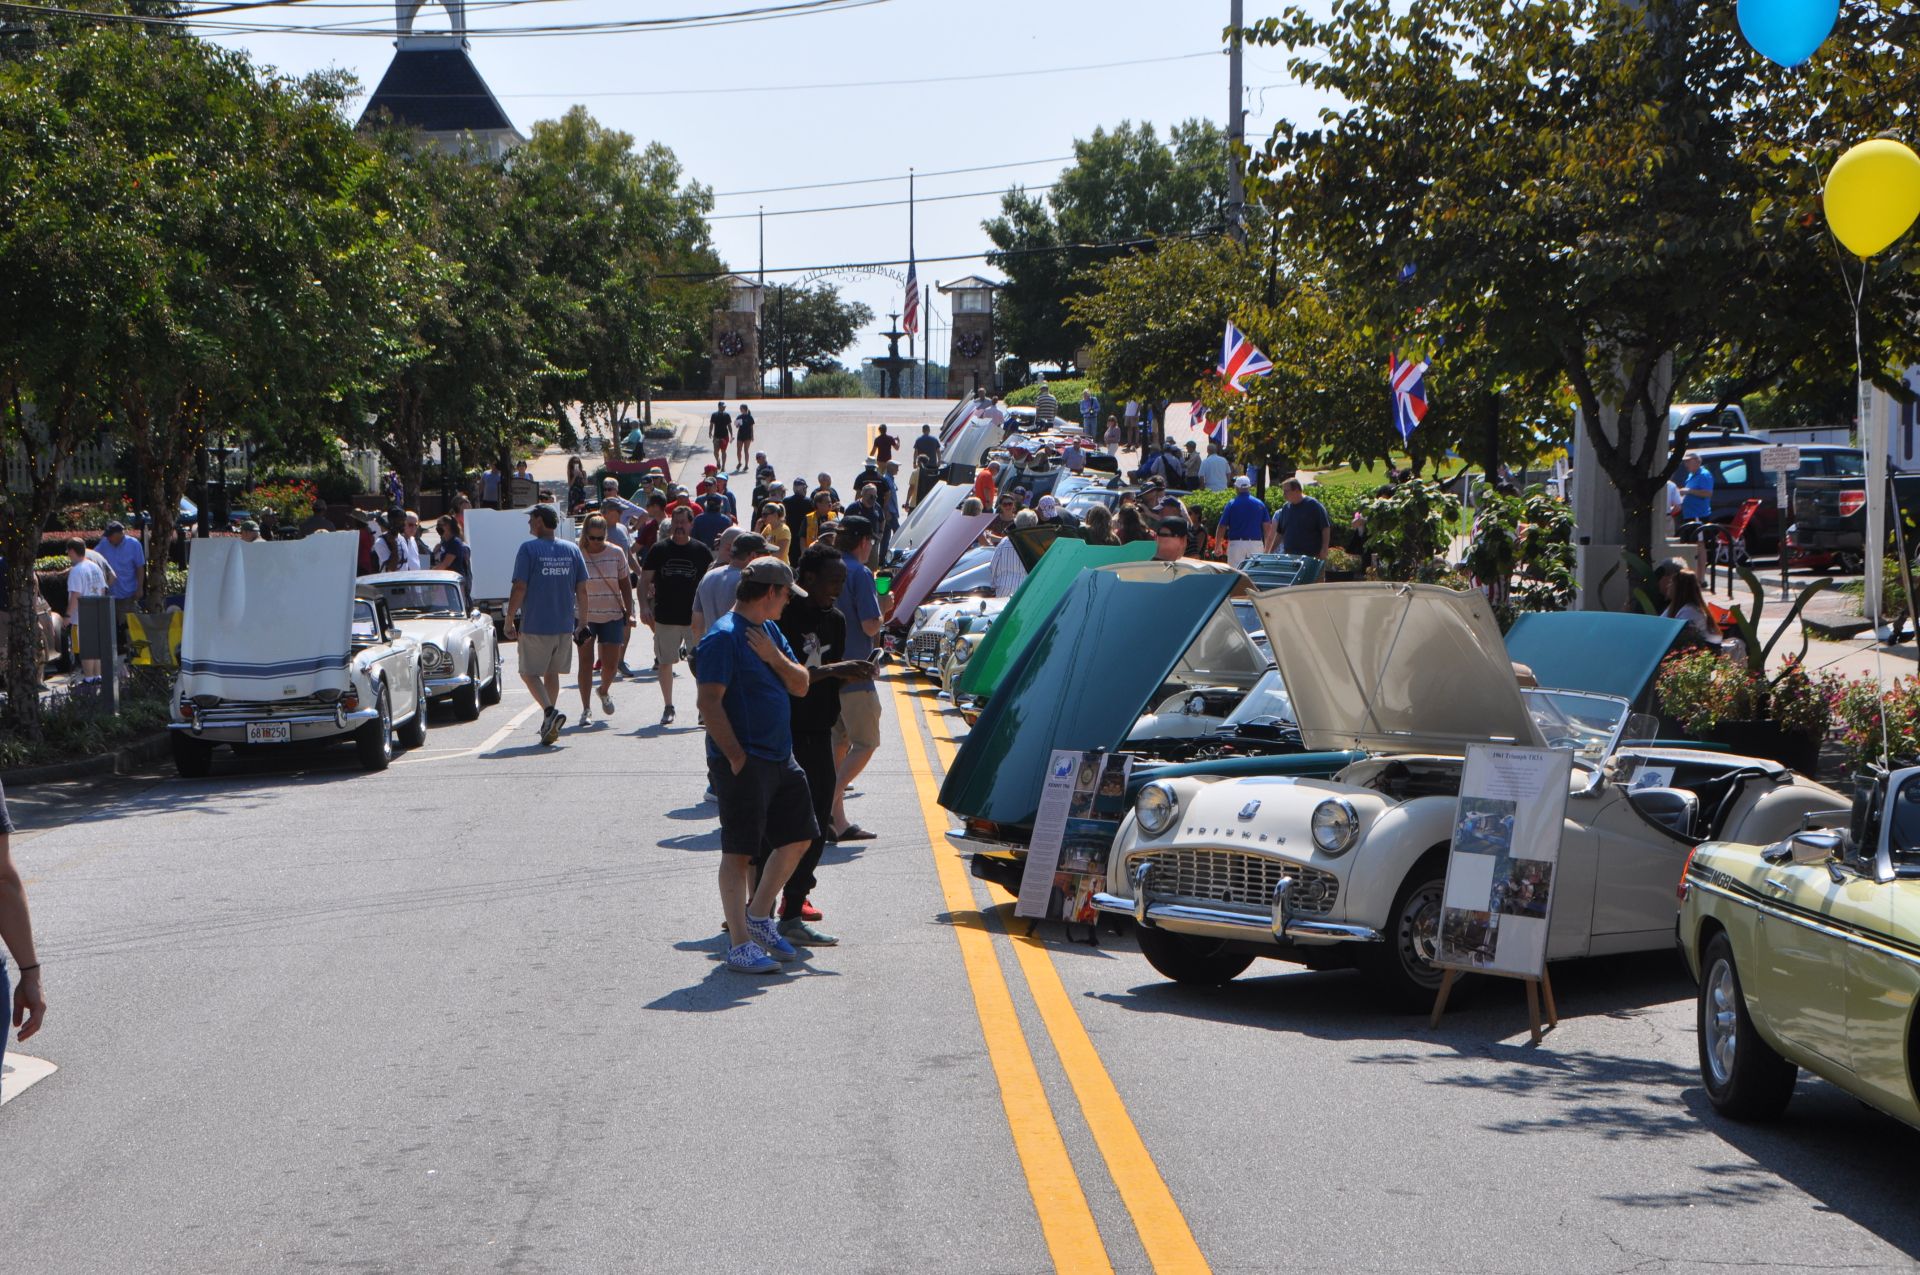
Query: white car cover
pixel 495 536
pixel 268 620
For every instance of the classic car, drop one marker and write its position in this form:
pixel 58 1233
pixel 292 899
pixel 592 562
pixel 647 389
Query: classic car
pixel 961 637
pixel 1807 953
pixel 925 648
pixel 459 649
pixel 1348 870
pixel 278 650
pixel 1072 686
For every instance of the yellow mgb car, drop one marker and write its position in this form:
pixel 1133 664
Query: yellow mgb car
pixel 1807 953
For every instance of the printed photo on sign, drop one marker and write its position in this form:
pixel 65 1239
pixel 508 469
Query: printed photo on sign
pixel 1522 890
pixel 1082 804
pixel 1485 826
pixel 1469 938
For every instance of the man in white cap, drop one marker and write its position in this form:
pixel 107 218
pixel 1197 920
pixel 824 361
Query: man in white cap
pixel 1245 523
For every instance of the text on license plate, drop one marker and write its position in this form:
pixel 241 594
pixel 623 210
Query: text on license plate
pixel 269 732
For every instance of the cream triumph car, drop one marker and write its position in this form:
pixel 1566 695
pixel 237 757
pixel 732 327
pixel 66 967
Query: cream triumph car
pixel 459 648
pixel 1349 870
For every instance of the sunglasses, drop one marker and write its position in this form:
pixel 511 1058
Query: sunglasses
pixel 596 540
pixel 1164 532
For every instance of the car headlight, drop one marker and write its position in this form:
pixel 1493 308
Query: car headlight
pixel 963 653
pixel 1155 808
pixel 1336 825
pixel 950 629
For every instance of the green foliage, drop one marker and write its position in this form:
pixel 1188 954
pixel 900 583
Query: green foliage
pixel 1407 529
pixel 1522 549
pixel 1701 690
pixel 75 727
pixel 92 515
pixel 1066 391
pixel 807 328
pixel 1124 184
pixel 1154 318
pixel 1803 702
pixel 1864 716
pixel 1758 652
pixel 832 385
pixel 335 484
pixel 291 500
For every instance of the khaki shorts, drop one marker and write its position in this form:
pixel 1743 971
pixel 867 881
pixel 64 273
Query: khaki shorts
pixel 667 641
pixel 543 654
pixel 859 724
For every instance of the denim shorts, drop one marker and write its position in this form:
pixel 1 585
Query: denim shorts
pixel 609 632
pixel 766 806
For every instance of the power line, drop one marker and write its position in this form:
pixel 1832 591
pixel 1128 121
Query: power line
pixel 219 29
pixel 898 177
pixel 880 203
pixel 958 256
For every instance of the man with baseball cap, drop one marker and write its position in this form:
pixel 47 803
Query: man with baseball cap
pixel 1245 523
pixel 550 583
pixel 747 674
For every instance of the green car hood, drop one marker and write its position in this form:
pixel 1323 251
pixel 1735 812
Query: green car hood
pixel 1606 652
pixel 1074 686
pixel 1032 604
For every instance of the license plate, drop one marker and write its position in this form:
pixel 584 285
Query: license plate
pixel 269 732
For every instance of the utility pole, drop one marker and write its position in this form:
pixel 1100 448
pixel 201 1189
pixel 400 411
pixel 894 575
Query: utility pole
pixel 1236 129
pixel 763 245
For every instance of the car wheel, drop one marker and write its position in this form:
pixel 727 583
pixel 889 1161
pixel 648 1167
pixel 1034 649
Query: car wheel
pixel 374 739
pixel 414 733
pixel 466 700
pixel 490 693
pixel 1403 966
pixel 1186 959
pixel 193 758
pixel 1744 1077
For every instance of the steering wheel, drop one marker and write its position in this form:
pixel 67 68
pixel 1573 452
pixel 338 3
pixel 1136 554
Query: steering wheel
pixel 1564 741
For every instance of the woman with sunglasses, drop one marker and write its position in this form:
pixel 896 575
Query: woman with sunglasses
pixel 609 615
pixel 452 553
pixel 773 525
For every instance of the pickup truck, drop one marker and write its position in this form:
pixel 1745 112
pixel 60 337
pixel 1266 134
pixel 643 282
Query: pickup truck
pixel 1830 518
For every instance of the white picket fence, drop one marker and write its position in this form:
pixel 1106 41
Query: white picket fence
pixel 93 468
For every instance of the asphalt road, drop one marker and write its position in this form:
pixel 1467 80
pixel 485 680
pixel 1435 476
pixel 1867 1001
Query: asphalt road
pixel 467 1015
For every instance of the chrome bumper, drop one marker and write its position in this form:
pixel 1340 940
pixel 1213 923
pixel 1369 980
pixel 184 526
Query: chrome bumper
pixel 1278 925
pixel 442 685
pixel 339 720
pixel 964 842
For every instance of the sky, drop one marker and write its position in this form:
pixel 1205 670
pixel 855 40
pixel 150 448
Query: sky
pixel 710 95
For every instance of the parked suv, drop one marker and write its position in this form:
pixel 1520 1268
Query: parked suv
pixel 1737 479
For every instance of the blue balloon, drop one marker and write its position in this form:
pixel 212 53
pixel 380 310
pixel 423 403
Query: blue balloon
pixel 1788 31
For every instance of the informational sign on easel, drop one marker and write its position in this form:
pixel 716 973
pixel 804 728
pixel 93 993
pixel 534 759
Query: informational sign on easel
pixel 1082 801
pixel 1500 872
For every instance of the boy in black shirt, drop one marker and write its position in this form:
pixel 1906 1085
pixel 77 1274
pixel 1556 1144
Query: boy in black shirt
pixel 669 574
pixel 817 632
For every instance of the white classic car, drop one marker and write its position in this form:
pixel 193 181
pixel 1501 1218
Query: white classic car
pixel 459 648
pixel 1217 871
pixel 277 650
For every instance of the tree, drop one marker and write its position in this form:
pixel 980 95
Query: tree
pixel 807 328
pixel 1155 316
pixel 1607 189
pixel 611 227
pixel 1123 185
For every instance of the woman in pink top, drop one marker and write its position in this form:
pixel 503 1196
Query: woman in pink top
pixel 609 614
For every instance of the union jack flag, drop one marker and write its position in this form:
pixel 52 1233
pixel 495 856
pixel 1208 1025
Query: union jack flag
pixel 1216 431
pixel 1408 381
pixel 1240 358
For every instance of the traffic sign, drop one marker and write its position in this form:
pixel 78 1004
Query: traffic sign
pixel 1779 460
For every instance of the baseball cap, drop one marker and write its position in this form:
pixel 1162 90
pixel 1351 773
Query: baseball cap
pixel 749 544
pixel 249 525
pixel 713 469
pixel 545 513
pixel 115 525
pixel 710 501
pixel 1243 482
pixel 770 571
pixel 1048 506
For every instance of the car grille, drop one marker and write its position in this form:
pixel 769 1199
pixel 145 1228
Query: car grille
pixel 923 649
pixel 233 712
pixel 1231 876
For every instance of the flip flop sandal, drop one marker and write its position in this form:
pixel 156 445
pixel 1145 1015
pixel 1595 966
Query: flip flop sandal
pixel 855 832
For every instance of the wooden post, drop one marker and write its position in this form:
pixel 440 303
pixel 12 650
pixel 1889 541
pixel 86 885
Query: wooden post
pixel 1538 989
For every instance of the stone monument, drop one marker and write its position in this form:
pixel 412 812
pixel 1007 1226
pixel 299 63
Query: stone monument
pixel 736 341
pixel 970 356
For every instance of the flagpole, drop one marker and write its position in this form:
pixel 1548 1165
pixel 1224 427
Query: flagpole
pixel 911 272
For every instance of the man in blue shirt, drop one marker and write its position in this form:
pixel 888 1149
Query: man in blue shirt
pixel 1245 523
pixel 128 558
pixel 1696 503
pixel 856 736
pixel 1305 529
pixel 747 675
pixel 549 592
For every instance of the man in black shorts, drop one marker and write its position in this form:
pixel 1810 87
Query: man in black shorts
pixel 747 674
pixel 817 633
pixel 743 435
pixel 720 426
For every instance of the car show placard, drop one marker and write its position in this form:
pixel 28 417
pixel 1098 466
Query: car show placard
pixel 1082 803
pixel 1506 847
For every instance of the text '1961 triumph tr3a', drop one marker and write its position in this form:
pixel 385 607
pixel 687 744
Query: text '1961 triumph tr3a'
pixel 1335 854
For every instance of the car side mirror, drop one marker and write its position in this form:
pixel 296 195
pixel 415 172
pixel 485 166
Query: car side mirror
pixel 393 633
pixel 1816 846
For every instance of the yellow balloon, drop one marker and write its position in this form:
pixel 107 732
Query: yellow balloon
pixel 1873 195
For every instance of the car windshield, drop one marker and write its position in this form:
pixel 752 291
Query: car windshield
pixel 1846 464
pixel 1588 724
pixel 1081 501
pixel 366 623
pixel 424 598
pixel 1266 702
pixel 1249 616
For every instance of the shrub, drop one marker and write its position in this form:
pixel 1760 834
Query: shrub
pixel 1700 690
pixel 831 385
pixel 1407 528
pixel 1800 701
pixel 73 726
pixel 292 499
pixel 91 515
pixel 1522 550
pixel 1067 390
pixel 1858 708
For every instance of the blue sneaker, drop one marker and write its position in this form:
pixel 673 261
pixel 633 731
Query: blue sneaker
pixel 767 935
pixel 749 959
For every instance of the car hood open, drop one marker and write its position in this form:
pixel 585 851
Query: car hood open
pixel 1607 652
pixel 269 620
pixel 1033 603
pixel 1394 668
pixel 1075 686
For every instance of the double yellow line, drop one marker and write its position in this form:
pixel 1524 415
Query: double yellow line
pixel 1067 1223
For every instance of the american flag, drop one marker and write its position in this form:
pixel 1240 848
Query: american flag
pixel 1215 431
pixel 1240 358
pixel 1408 381
pixel 910 316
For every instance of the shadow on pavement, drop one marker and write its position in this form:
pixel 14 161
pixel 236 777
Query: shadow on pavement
pixel 724 989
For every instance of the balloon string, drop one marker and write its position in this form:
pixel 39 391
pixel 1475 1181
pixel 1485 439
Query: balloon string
pixel 1856 296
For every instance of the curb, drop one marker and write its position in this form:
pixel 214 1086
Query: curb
pixel 1838 629
pixel 133 756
